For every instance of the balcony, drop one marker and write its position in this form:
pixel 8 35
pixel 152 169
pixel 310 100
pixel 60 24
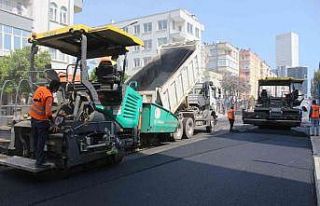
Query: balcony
pixel 177 16
pixel 78 4
pixel 21 8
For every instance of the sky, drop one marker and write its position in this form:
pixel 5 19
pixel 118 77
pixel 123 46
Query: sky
pixel 244 23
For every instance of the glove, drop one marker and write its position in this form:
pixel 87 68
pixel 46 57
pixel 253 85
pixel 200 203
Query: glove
pixel 54 128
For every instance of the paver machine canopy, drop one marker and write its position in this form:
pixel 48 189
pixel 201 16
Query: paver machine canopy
pixel 84 43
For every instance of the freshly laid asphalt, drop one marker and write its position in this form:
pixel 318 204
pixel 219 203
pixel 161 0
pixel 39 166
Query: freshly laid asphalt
pixel 254 167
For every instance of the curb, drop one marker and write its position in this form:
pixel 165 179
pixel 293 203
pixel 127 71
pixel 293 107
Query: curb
pixel 315 141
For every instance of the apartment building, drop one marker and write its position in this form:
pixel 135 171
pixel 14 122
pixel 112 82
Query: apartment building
pixel 159 29
pixel 18 18
pixel 253 68
pixel 223 57
pixel 300 73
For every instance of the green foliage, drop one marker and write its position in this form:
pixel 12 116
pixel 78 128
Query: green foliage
pixel 315 84
pixel 16 66
pixel 92 75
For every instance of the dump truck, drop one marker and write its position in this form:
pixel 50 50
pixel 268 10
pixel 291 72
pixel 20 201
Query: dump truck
pixel 277 104
pixel 172 80
pixel 96 119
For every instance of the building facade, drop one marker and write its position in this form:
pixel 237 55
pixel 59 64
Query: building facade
pixel 223 57
pixel 159 29
pixel 253 68
pixel 300 73
pixel 18 18
pixel 287 50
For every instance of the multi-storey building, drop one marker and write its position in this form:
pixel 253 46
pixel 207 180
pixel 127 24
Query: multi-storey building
pixel 159 29
pixel 18 18
pixel 287 52
pixel 223 57
pixel 266 70
pixel 287 49
pixel 253 68
pixel 300 73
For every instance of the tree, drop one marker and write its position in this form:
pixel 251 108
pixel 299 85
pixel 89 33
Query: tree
pixel 16 66
pixel 315 84
pixel 233 87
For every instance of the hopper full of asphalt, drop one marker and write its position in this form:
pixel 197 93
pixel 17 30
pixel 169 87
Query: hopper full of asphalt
pixel 156 73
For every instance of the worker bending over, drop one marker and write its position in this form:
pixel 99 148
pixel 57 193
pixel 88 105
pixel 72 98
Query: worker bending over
pixel 41 114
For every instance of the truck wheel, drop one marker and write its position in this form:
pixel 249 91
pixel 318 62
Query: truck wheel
pixel 179 133
pixel 188 126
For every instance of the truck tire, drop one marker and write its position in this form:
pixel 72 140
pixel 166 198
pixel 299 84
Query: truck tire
pixel 179 133
pixel 188 126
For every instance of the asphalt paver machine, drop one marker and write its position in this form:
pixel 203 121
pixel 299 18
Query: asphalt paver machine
pixel 92 116
pixel 278 104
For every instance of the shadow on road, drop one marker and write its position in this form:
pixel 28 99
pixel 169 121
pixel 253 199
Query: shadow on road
pixel 216 171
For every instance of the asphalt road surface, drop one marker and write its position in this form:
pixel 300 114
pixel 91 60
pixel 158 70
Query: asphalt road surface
pixel 254 167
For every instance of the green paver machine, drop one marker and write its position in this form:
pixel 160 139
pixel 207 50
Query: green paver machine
pixel 96 119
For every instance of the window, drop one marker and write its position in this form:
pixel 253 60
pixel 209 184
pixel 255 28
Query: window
pixel 53 11
pixel 137 29
pixel 62 56
pixel 136 62
pixel 12 38
pixel 147 27
pixel 162 41
pixel 189 28
pixel 162 25
pixel 146 60
pixel 126 29
pixel 63 15
pixel 16 38
pixel 25 36
pixel 7 37
pixel 137 48
pixel 148 44
pixel 197 33
pixel 1 37
pixel 53 53
pixel 173 25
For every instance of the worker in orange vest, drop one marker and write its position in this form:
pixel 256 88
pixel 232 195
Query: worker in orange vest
pixel 314 117
pixel 41 114
pixel 231 117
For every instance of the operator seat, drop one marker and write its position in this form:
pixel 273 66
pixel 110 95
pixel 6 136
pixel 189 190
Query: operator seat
pixel 107 74
pixel 264 97
pixel 108 77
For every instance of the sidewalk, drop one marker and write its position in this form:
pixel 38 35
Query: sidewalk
pixel 315 141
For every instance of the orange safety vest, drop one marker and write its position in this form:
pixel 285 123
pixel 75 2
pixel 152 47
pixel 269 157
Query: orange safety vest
pixel 315 111
pixel 38 107
pixel 231 114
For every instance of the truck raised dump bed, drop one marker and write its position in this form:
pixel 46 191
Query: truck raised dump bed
pixel 170 78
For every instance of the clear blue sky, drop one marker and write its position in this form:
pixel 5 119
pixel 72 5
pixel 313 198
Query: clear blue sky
pixel 245 23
